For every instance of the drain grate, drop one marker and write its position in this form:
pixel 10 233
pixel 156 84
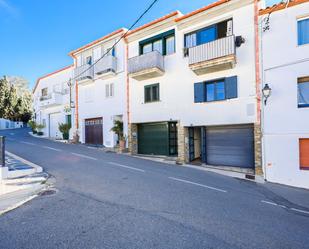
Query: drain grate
pixel 48 192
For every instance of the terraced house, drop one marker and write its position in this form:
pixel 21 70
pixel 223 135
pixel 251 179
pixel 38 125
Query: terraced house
pixel 51 102
pixel 99 73
pixel 193 87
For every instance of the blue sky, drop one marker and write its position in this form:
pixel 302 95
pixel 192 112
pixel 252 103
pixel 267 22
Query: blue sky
pixel 36 35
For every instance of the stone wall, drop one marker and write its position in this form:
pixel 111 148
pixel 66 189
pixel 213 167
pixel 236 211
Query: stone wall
pixel 182 133
pixel 132 141
pixel 258 149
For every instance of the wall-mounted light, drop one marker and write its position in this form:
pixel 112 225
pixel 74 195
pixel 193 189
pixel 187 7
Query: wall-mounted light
pixel 266 93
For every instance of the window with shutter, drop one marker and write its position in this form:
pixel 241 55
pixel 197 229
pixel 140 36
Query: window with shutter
pixel 199 92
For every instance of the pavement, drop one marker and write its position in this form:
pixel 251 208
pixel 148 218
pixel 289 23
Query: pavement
pixel 108 200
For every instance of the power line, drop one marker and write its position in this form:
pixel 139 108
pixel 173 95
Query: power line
pixel 111 48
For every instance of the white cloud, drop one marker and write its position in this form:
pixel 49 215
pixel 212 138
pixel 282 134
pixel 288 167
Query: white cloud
pixel 7 7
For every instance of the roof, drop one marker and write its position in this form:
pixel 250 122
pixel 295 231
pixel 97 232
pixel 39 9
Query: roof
pixel 50 74
pixel 154 22
pixel 97 41
pixel 210 6
pixel 281 6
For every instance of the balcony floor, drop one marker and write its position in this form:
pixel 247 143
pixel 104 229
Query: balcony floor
pixel 147 74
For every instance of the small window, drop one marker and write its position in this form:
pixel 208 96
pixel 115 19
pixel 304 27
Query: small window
pixel 89 60
pixel 44 91
pixel 109 90
pixel 152 93
pixel 304 153
pixel 303 92
pixel 170 45
pixel 303 31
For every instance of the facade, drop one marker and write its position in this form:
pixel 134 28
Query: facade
pixel 285 64
pixel 51 102
pixel 193 87
pixel 101 89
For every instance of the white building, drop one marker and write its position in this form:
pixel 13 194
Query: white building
pixel 101 88
pixel 51 102
pixel 193 87
pixel 285 68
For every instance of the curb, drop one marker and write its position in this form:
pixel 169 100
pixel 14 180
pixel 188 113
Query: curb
pixel 38 168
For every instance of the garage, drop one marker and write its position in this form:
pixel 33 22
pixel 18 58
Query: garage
pixel 94 131
pixel 230 146
pixel 157 138
pixel 54 120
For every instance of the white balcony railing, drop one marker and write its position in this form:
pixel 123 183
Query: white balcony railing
pixel 51 99
pixel 212 50
pixel 151 64
pixel 83 72
pixel 107 64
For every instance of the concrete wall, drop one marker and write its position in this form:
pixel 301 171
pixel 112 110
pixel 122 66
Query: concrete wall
pixel 8 124
pixel 177 84
pixel 283 122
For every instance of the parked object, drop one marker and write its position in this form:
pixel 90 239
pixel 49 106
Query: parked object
pixel 39 128
pixel 64 128
pixel 8 124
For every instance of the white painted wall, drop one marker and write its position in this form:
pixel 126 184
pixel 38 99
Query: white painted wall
pixel 177 84
pixel 283 122
pixel 93 102
pixel 8 124
pixel 55 82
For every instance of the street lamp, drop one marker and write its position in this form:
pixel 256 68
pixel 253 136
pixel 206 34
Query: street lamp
pixel 266 93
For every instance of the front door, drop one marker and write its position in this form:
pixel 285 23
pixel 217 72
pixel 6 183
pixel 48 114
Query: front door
pixel 94 131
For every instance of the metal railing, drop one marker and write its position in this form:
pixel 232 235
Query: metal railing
pixel 106 64
pixel 149 60
pixel 212 50
pixel 83 72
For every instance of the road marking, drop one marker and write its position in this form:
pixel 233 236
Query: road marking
pixel 12 134
pixel 198 184
pixel 51 148
pixel 299 210
pixel 270 203
pixel 127 167
pixel 27 143
pixel 84 156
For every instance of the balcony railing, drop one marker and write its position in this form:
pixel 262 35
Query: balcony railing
pixel 83 72
pixel 51 99
pixel 146 66
pixel 107 65
pixel 213 56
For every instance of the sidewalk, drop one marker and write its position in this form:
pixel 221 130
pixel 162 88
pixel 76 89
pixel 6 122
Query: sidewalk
pixel 25 180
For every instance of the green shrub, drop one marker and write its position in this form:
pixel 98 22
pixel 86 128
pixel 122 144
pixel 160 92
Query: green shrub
pixel 64 128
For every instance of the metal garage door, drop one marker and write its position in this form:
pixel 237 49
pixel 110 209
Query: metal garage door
pixel 94 131
pixel 54 120
pixel 153 139
pixel 230 146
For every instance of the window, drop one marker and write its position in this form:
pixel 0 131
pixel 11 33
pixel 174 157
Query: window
pixel 89 60
pixel 163 43
pixel 215 90
pixel 152 93
pixel 208 34
pixel 44 91
pixel 109 90
pixel 303 31
pixel 304 153
pixel 303 92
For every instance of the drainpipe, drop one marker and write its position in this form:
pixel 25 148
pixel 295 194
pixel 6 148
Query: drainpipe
pixel 127 82
pixel 257 61
pixel 76 96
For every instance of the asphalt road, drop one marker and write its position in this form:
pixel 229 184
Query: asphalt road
pixel 106 200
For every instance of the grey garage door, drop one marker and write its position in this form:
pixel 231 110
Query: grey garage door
pixel 230 146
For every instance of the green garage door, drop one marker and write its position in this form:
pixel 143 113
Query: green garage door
pixel 153 139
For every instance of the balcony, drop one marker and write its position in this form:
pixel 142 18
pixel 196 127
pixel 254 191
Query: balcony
pixel 83 73
pixel 213 56
pixel 146 66
pixel 106 67
pixel 50 100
